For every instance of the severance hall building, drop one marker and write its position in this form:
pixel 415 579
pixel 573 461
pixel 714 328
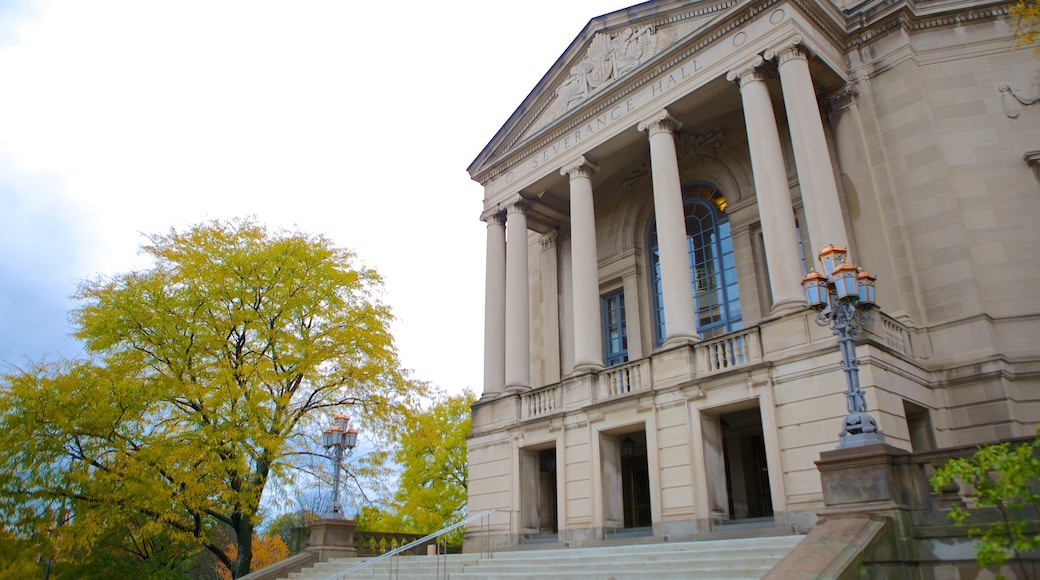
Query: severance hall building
pixel 652 208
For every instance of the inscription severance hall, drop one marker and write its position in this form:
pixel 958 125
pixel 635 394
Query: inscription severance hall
pixel 650 366
pixel 641 95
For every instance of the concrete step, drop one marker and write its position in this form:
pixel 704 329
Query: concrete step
pixel 748 558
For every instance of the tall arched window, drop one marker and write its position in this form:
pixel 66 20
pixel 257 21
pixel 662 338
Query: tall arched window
pixel 712 267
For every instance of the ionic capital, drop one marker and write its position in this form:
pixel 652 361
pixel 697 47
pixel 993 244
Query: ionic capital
pixel 660 122
pixel 580 167
pixel 748 72
pixel 793 48
pixel 494 215
pixel 840 99
pixel 517 205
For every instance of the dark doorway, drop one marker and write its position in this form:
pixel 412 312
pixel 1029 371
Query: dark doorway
pixel 747 471
pixel 549 523
pixel 635 480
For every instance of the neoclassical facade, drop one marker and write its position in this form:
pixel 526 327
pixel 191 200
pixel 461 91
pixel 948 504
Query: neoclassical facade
pixel 652 208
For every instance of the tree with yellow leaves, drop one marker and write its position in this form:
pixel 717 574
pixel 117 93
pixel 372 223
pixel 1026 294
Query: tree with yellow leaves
pixel 209 373
pixel 1027 19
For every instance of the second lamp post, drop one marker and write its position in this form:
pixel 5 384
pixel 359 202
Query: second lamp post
pixel 843 297
pixel 338 438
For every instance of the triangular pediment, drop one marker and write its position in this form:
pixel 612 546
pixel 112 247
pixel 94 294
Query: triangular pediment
pixel 610 51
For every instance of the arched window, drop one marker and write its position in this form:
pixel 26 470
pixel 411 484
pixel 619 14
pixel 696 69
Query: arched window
pixel 713 273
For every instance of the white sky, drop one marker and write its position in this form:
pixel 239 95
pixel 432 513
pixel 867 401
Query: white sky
pixel 353 119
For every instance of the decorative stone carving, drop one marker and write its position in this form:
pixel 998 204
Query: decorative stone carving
pixel 1009 96
pixel 580 167
pixel 752 70
pixel 610 57
pixel 1033 160
pixel 839 100
pixel 636 179
pixel 494 215
pixel 694 145
pixel 794 47
pixel 662 121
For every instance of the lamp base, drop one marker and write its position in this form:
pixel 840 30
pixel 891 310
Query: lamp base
pixel 859 429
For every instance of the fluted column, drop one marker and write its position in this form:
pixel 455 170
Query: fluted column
pixel 811 155
pixel 679 323
pixel 495 306
pixel 550 268
pixel 518 302
pixel 588 352
pixel 774 197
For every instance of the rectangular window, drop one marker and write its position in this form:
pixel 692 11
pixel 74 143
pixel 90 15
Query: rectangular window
pixel 615 333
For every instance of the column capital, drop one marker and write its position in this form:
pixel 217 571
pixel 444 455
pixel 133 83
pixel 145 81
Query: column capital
pixel 747 72
pixel 548 240
pixel 494 215
pixel 517 205
pixel 659 122
pixel 580 167
pixel 843 98
pixel 793 47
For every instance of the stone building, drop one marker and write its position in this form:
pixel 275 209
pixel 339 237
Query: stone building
pixel 652 208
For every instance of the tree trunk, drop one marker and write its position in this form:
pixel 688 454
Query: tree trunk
pixel 244 540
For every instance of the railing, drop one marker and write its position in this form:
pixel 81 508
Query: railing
pixel 733 350
pixel 893 335
pixel 540 402
pixel 624 379
pixel 377 543
pixel 411 545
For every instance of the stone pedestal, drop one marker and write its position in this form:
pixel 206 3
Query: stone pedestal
pixel 868 479
pixel 873 483
pixel 332 539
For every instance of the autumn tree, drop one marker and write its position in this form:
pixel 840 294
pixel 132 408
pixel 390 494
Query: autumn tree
pixel 431 454
pixel 1027 22
pixel 208 374
pixel 267 550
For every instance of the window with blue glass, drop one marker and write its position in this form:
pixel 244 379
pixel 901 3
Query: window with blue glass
pixel 713 275
pixel 615 335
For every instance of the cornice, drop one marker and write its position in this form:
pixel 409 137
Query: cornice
pixel 846 29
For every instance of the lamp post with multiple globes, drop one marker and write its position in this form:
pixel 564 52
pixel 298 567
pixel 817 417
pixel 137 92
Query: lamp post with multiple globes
pixel 338 438
pixel 843 297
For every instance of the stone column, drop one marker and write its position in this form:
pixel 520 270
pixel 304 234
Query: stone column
pixel 549 265
pixel 679 323
pixel 811 155
pixel 495 305
pixel 518 301
pixel 774 197
pixel 588 352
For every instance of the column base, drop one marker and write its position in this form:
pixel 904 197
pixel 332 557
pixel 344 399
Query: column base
pixel 788 306
pixel 516 389
pixel 680 340
pixel 586 368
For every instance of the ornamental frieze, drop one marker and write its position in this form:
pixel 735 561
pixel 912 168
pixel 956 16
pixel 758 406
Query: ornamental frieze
pixel 610 56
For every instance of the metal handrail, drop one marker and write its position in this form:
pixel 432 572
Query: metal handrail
pixel 411 545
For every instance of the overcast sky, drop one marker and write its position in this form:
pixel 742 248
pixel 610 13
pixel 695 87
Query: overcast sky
pixel 352 119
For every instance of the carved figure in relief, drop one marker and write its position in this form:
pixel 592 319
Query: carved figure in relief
pixel 576 87
pixel 1008 93
pixel 608 58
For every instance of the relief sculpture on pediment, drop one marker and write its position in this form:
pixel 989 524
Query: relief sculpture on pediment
pixel 609 57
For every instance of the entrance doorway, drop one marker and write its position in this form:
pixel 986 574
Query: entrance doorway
pixel 747 471
pixel 635 481
pixel 626 482
pixel 538 509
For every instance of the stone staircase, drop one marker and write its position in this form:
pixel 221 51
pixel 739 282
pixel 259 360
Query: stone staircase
pixel 747 558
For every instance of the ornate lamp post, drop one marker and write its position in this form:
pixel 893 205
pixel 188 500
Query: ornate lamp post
pixel 843 297
pixel 338 437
